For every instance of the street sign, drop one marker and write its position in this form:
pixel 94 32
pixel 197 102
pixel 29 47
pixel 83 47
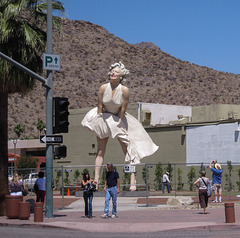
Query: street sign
pixel 129 169
pixel 51 139
pixel 51 62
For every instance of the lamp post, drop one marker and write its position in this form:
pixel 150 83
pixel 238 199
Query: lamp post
pixel 15 159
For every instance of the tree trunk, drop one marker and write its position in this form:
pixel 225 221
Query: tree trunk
pixel 3 151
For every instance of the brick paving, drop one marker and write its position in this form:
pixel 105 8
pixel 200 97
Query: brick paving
pixel 134 216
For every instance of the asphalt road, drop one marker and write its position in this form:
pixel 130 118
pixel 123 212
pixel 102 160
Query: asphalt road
pixel 16 232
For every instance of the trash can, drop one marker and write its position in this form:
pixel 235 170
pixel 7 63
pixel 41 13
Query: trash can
pixel 12 205
pixel 38 212
pixel 229 212
pixel 24 210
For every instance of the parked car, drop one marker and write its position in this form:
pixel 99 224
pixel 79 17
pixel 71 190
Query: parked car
pixel 30 180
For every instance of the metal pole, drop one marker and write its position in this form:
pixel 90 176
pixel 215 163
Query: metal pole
pixel 146 181
pixel 175 182
pixel 229 180
pixel 15 156
pixel 25 69
pixel 15 159
pixel 62 190
pixel 49 116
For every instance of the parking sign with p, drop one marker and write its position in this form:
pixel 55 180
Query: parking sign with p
pixel 51 62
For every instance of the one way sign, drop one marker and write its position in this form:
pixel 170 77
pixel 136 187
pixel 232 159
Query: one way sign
pixel 51 139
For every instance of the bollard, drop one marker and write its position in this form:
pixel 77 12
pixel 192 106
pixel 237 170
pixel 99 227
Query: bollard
pixel 12 205
pixel 23 210
pixel 38 212
pixel 229 212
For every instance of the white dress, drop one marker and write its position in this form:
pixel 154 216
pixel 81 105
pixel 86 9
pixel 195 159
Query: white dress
pixel 129 130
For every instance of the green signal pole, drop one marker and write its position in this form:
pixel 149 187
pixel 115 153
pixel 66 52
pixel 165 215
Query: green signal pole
pixel 49 121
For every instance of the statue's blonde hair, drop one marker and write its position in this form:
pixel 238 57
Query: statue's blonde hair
pixel 124 71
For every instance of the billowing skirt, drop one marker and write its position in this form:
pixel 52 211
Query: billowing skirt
pixel 129 130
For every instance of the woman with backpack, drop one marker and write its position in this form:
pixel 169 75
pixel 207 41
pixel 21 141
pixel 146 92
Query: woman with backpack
pixel 202 185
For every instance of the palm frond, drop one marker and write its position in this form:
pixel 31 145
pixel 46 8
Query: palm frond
pixel 23 39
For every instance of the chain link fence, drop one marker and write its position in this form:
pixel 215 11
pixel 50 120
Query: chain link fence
pixel 148 177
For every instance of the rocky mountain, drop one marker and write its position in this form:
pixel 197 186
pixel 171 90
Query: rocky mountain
pixel 87 50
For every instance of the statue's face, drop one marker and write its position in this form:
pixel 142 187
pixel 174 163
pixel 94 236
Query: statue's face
pixel 116 73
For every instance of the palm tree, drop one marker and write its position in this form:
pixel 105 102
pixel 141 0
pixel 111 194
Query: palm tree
pixel 40 126
pixel 19 129
pixel 22 38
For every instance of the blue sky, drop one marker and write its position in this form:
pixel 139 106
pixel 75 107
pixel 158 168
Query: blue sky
pixel 204 32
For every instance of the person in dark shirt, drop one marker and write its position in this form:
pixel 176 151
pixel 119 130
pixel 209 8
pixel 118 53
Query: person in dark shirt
pixel 112 188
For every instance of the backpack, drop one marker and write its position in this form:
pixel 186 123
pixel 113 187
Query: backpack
pixel 36 188
pixel 92 187
pixel 209 188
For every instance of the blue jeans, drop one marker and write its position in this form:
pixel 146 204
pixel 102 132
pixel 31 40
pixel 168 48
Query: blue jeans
pixel 88 196
pixel 165 184
pixel 111 192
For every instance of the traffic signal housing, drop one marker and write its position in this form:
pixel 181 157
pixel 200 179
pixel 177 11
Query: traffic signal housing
pixel 60 151
pixel 60 115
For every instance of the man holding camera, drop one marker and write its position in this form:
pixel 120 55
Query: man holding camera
pixel 216 180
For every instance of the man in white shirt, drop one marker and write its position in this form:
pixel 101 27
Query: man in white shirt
pixel 166 182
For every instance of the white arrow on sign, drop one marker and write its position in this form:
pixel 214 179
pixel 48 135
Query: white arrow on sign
pixel 51 139
pixel 43 139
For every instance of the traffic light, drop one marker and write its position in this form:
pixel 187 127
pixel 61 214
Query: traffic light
pixel 61 115
pixel 60 151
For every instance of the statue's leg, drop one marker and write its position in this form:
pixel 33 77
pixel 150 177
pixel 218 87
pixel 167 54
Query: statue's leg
pixel 132 178
pixel 99 159
pixel 133 181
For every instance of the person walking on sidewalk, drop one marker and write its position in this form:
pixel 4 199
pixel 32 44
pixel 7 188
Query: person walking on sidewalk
pixel 166 182
pixel 202 191
pixel 216 180
pixel 112 188
pixel 41 183
pixel 87 194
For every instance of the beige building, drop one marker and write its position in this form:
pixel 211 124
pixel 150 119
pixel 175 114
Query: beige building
pixel 170 136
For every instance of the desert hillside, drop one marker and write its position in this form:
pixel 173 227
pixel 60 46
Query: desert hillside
pixel 87 50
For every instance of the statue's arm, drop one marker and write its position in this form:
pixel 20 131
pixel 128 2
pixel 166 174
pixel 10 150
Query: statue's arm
pixel 100 98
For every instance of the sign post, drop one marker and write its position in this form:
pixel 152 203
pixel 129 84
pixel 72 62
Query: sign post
pixel 49 122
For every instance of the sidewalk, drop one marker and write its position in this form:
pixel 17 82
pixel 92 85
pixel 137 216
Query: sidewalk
pixel 133 217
